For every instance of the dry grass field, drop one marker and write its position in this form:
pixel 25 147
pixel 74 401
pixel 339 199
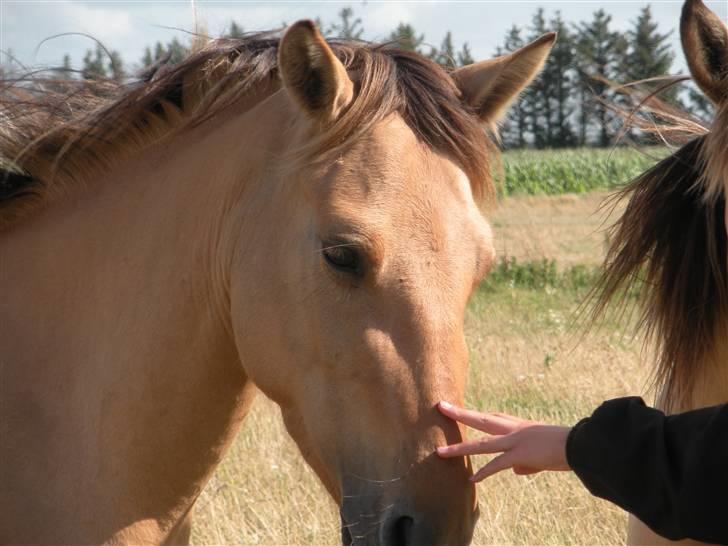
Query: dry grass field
pixel 527 357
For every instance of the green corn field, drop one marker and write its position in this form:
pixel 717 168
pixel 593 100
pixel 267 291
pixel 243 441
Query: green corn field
pixel 577 170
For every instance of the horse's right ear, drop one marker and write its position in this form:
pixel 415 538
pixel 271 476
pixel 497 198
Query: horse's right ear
pixel 705 43
pixel 491 86
pixel 312 74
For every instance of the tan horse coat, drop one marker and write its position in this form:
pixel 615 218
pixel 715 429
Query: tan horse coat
pixel 147 297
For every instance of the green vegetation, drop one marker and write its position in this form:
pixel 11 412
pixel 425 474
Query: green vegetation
pixel 532 295
pixel 553 172
pixel 540 274
pixel 552 299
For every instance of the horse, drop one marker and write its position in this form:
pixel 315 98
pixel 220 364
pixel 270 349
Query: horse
pixel 282 214
pixel 670 244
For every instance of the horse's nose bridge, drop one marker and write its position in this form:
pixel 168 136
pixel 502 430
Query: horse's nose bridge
pixel 437 353
pixel 430 320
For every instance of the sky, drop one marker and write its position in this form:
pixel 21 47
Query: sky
pixel 128 26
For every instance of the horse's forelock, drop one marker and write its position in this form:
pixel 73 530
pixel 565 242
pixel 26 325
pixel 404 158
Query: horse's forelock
pixel 390 80
pixel 65 129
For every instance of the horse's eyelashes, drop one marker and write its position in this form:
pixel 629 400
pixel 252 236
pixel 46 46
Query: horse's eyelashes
pixel 342 257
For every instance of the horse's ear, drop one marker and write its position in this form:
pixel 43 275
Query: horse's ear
pixel 705 43
pixel 312 74
pixel 491 86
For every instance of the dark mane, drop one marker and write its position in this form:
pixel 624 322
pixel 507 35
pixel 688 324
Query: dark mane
pixel 672 238
pixel 54 130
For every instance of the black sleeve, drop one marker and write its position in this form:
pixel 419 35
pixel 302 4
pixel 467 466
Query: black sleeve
pixel 669 471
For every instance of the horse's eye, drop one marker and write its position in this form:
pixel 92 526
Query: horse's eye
pixel 342 258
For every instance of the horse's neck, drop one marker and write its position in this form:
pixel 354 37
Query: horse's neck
pixel 711 383
pixel 711 386
pixel 115 317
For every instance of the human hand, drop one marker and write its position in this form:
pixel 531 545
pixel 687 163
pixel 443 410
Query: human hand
pixel 525 446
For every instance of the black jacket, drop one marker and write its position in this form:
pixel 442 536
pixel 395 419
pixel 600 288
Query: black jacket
pixel 669 471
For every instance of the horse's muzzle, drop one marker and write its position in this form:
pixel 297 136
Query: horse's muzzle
pixel 396 527
pixel 394 531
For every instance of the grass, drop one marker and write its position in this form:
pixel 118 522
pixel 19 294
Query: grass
pixel 540 274
pixel 580 170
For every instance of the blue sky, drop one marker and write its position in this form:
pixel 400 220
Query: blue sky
pixel 128 26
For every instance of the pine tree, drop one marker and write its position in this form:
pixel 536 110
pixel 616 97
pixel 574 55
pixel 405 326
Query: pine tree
pixel 147 60
pixel 649 53
pixel 6 64
pixel 536 96
pixel 93 64
pixel 177 52
pixel 325 31
pixel 559 76
pixel 65 71
pixel 600 52
pixel 406 37
pixel 585 101
pixel 116 66
pixel 446 54
pixel 235 31
pixel 347 28
pixel 159 51
pixel 515 126
pixel 62 73
pixel 173 53
pixel 700 105
pixel 464 56
pixel 99 64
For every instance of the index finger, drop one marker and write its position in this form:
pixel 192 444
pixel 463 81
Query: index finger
pixel 487 422
pixel 490 444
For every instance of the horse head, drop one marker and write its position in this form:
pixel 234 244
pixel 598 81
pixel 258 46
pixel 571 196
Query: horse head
pixel 360 294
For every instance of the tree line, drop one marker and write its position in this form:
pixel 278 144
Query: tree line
pixel 572 102
pixel 567 105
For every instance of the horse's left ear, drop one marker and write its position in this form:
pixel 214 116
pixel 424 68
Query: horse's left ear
pixel 705 43
pixel 312 74
pixel 491 86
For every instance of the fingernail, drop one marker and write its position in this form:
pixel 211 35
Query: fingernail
pixel 444 404
pixel 440 450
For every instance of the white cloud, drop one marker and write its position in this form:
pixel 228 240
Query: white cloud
pixel 380 19
pixel 26 25
pixel 115 22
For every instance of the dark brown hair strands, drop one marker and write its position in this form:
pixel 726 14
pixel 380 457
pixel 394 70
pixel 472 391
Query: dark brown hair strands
pixel 672 239
pixel 56 131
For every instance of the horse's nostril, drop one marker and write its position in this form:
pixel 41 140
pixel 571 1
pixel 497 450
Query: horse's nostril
pixel 401 534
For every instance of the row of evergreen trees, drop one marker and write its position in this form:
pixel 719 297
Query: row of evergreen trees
pixel 568 105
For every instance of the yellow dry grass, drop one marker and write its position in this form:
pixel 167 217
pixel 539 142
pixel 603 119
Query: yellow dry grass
pixel 568 228
pixel 525 359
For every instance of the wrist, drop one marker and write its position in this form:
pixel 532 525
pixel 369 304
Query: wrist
pixel 562 440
